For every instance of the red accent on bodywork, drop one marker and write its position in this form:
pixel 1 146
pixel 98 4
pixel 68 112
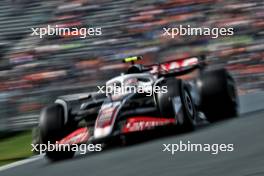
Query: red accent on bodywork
pixel 110 113
pixel 174 65
pixel 80 135
pixel 141 123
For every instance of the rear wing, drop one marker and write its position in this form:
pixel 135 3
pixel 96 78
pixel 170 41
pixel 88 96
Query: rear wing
pixel 177 67
pixel 167 68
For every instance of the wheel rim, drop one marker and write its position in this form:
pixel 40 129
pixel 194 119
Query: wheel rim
pixel 189 104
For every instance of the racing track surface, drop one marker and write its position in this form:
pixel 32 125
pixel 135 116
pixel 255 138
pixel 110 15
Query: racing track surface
pixel 246 133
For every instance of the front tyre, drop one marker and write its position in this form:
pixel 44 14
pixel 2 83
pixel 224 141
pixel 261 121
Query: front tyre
pixel 52 129
pixel 178 103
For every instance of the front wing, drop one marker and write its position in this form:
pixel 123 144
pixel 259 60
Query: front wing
pixel 132 125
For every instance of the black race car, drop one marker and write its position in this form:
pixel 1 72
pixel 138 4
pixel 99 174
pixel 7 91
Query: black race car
pixel 178 94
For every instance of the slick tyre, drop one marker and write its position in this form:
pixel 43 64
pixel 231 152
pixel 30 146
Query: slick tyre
pixel 52 129
pixel 177 98
pixel 218 95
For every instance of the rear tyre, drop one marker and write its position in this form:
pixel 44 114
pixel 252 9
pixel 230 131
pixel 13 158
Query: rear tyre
pixel 176 96
pixel 52 129
pixel 218 95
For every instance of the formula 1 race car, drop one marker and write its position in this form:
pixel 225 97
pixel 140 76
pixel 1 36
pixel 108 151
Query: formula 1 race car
pixel 145 98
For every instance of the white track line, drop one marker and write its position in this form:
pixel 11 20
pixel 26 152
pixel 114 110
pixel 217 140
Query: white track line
pixel 18 163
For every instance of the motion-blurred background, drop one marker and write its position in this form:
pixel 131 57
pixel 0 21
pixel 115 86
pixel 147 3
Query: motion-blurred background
pixel 34 71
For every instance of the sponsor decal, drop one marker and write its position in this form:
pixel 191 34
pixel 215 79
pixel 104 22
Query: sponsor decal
pixel 107 114
pixel 145 123
pixel 79 136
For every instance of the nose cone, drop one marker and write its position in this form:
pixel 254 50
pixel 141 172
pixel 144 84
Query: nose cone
pixel 102 132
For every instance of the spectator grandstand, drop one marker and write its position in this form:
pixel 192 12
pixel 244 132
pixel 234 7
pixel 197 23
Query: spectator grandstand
pixel 34 70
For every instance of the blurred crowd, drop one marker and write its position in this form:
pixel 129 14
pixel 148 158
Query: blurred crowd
pixel 34 71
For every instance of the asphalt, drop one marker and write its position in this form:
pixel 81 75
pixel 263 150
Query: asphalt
pixel 148 158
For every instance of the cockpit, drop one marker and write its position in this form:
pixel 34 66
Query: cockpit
pixel 126 84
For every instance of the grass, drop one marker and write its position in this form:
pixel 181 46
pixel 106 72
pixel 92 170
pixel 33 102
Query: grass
pixel 15 148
